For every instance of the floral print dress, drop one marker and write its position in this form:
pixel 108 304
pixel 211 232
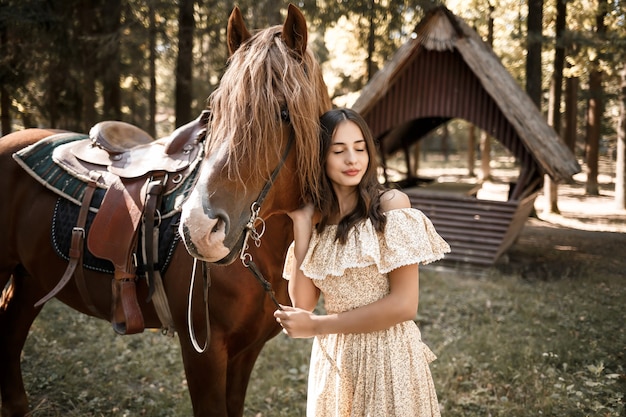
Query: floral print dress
pixel 383 373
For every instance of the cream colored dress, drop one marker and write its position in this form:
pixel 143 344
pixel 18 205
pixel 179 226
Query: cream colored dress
pixel 379 374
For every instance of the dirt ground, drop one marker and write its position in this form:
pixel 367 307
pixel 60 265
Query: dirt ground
pixel 589 231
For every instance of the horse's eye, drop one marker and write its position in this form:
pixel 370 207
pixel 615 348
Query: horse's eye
pixel 284 115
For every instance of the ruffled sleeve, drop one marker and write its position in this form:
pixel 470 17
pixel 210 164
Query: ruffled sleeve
pixel 290 260
pixel 409 238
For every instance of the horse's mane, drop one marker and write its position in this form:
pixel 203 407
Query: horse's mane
pixel 265 76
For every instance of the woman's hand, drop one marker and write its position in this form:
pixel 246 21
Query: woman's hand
pixel 296 322
pixel 302 214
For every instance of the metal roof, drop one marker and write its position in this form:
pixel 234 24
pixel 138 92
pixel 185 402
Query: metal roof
pixel 447 72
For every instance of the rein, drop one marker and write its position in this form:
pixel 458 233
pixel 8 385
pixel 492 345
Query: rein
pixel 251 232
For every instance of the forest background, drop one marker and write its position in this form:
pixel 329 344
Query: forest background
pixel 540 334
pixel 153 63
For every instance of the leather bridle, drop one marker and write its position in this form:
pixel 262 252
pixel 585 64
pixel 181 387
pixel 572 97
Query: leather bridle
pixel 250 232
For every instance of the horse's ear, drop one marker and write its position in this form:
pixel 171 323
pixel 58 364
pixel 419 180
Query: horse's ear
pixel 294 30
pixel 237 33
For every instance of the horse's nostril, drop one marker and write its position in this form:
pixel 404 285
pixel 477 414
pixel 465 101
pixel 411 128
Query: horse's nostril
pixel 222 223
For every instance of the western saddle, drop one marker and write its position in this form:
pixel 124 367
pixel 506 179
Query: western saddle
pixel 137 171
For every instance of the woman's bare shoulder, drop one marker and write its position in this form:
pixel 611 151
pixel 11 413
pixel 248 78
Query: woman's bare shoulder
pixel 394 199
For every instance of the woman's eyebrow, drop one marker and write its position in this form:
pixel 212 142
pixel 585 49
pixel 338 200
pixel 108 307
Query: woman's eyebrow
pixel 344 143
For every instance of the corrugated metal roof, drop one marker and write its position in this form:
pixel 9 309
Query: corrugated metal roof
pixel 466 80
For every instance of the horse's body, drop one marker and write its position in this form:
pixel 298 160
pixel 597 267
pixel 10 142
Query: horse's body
pixel 240 312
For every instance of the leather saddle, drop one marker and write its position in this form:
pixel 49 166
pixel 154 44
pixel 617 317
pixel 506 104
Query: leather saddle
pixel 136 171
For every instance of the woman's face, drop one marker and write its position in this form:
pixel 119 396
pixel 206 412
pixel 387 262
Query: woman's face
pixel 347 158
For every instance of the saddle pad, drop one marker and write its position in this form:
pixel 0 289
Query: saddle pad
pixel 64 219
pixel 38 162
pixel 36 159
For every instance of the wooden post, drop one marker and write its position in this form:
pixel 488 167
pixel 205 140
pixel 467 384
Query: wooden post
pixel 620 166
pixel 485 156
pixel 471 150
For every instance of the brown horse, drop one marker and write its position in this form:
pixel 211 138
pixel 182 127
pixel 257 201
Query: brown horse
pixel 240 184
pixel 272 90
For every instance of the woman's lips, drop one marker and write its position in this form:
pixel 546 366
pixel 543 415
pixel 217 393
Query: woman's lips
pixel 351 172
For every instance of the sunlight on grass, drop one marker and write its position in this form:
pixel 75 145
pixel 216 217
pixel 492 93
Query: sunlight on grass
pixel 510 347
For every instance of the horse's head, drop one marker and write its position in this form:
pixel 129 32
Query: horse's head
pixel 263 137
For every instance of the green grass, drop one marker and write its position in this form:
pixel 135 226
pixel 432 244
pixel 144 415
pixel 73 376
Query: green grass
pixel 75 365
pixel 517 348
pixel 506 346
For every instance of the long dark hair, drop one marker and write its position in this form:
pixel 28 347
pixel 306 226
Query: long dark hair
pixel 369 189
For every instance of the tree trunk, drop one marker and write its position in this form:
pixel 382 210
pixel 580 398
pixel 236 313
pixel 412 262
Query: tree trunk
pixel 53 90
pixel 5 115
pixel 571 112
pixel 271 9
pixel 89 62
pixel 112 91
pixel 620 166
pixel 594 109
pixel 533 45
pixel 5 100
pixel 371 41
pixel 485 156
pixel 550 188
pixel 416 158
pixel 592 145
pixel 184 62
pixel 152 103
pixel 265 12
pixel 445 138
pixel 485 139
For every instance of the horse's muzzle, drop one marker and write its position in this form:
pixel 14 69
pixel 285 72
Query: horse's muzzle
pixel 202 234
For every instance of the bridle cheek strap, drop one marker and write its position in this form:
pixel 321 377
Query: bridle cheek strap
pixel 251 231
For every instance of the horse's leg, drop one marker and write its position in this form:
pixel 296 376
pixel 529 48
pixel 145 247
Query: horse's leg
pixel 205 372
pixel 217 384
pixel 239 371
pixel 246 345
pixel 206 375
pixel 17 314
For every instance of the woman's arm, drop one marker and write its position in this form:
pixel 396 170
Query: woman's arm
pixel 398 306
pixel 302 292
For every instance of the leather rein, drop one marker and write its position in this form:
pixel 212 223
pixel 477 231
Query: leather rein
pixel 250 232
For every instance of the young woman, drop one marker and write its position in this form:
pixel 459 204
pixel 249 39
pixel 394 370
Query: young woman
pixel 360 245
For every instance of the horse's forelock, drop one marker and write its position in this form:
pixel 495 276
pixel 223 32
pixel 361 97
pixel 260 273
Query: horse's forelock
pixel 263 76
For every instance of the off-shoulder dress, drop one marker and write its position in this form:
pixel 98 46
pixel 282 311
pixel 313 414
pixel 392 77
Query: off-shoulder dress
pixel 383 373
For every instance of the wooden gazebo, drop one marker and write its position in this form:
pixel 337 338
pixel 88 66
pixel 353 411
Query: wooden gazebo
pixel 448 72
